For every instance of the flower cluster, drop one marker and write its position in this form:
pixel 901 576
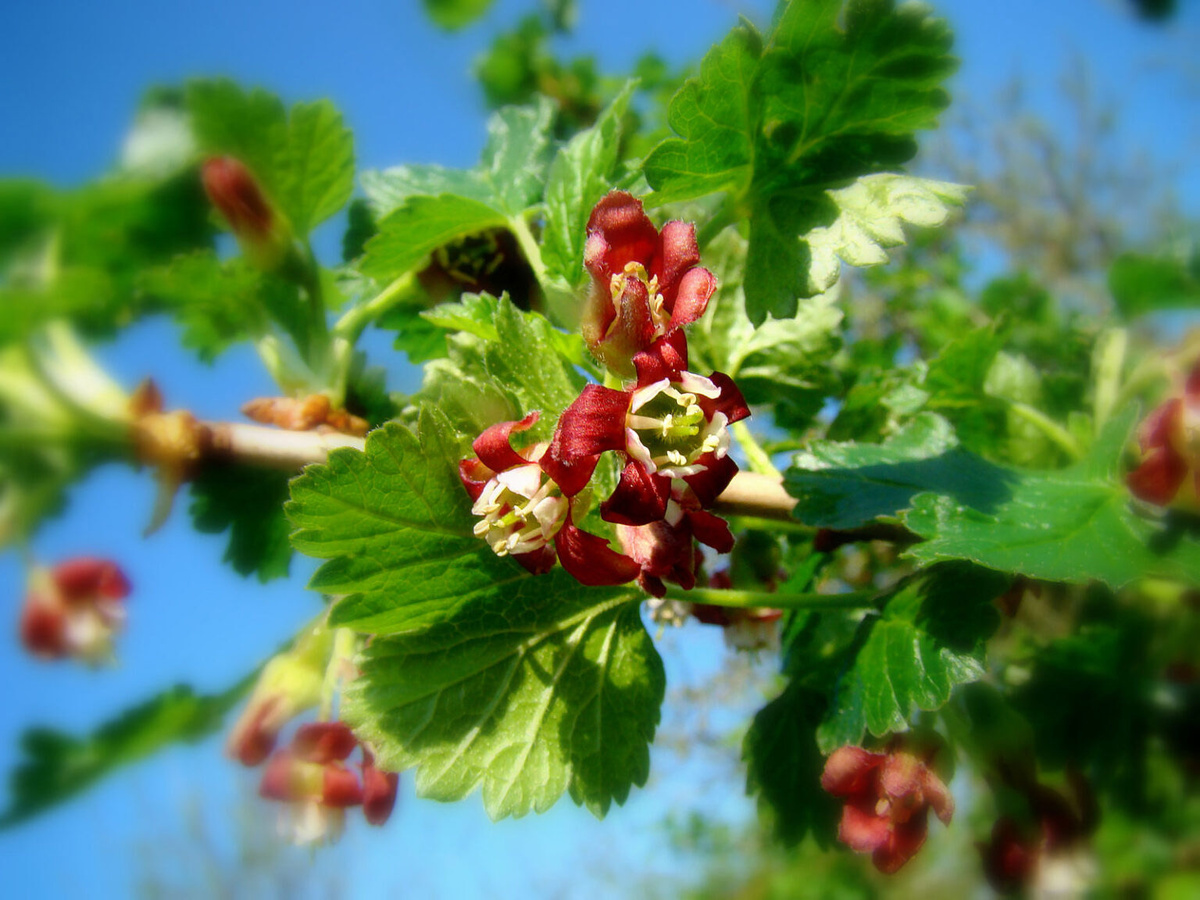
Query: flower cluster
pixel 1168 473
pixel 311 777
pixel 888 798
pixel 74 609
pixel 668 425
pixel 1045 850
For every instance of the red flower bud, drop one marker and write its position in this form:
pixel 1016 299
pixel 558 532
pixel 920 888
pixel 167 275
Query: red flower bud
pixel 233 190
pixel 888 797
pixel 645 284
pixel 1168 473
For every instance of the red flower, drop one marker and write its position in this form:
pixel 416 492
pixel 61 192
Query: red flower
pixel 645 283
pixel 888 797
pixel 671 425
pixel 666 549
pixel 312 778
pixel 1169 440
pixel 74 609
pixel 525 515
pixel 1048 846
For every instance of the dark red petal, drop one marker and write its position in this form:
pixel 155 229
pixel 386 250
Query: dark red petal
pixel 627 233
pixel 83 578
pixel 850 771
pixel 665 358
pixel 1009 858
pixel 709 482
pixel 906 839
pixel 652 586
pixel 697 286
pixel 630 327
pixel 1159 477
pixel 253 735
pixel 539 561
pixel 379 793
pixel 494 448
pixel 592 424
pixel 711 530
pixel 323 742
pixel 474 476
pixel 640 498
pixel 43 630
pixel 730 402
pixel 863 831
pixel 710 614
pixel 277 782
pixel 678 253
pixel 590 560
pixel 340 787
pixel 1191 388
pixel 1156 429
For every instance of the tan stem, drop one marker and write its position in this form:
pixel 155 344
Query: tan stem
pixel 749 494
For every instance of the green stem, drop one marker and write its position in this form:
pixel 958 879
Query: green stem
pixel 342 657
pixel 1108 360
pixel 355 320
pixel 529 247
pixel 758 459
pixel 1051 429
pixel 766 599
pixel 722 219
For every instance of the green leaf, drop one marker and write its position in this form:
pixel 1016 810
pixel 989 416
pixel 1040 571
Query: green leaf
pixel 579 176
pixel 249 504
pixel 1076 524
pixel 58 766
pixel 418 227
pixel 516 155
pixel 1142 284
pixel 783 362
pixel 395 523
pixel 928 640
pixel 542 687
pixel 455 14
pixel 303 160
pixel 217 304
pixel 784 766
pixel 389 189
pixel 827 98
pixel 847 485
pixel 871 216
pixel 715 116
pixel 316 165
pixel 251 126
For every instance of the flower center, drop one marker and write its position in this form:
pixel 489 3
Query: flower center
pixel 522 510
pixel 667 429
pixel 637 271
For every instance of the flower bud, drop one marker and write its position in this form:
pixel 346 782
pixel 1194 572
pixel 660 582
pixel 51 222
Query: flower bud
pixel 262 233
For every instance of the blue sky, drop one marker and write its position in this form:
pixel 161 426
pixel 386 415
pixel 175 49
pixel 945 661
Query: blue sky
pixel 70 77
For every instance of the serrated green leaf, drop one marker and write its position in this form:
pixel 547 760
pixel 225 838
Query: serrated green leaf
pixel 249 503
pixel 847 485
pixel 871 216
pixel 579 176
pixel 58 766
pixel 714 114
pixel 545 687
pixel 316 165
pixel 387 190
pixel 418 227
pixel 217 304
pixel 784 766
pixel 517 153
pixel 784 362
pixel 455 14
pixel 251 126
pixel 1075 525
pixel 928 640
pixel 829 98
pixel 395 524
